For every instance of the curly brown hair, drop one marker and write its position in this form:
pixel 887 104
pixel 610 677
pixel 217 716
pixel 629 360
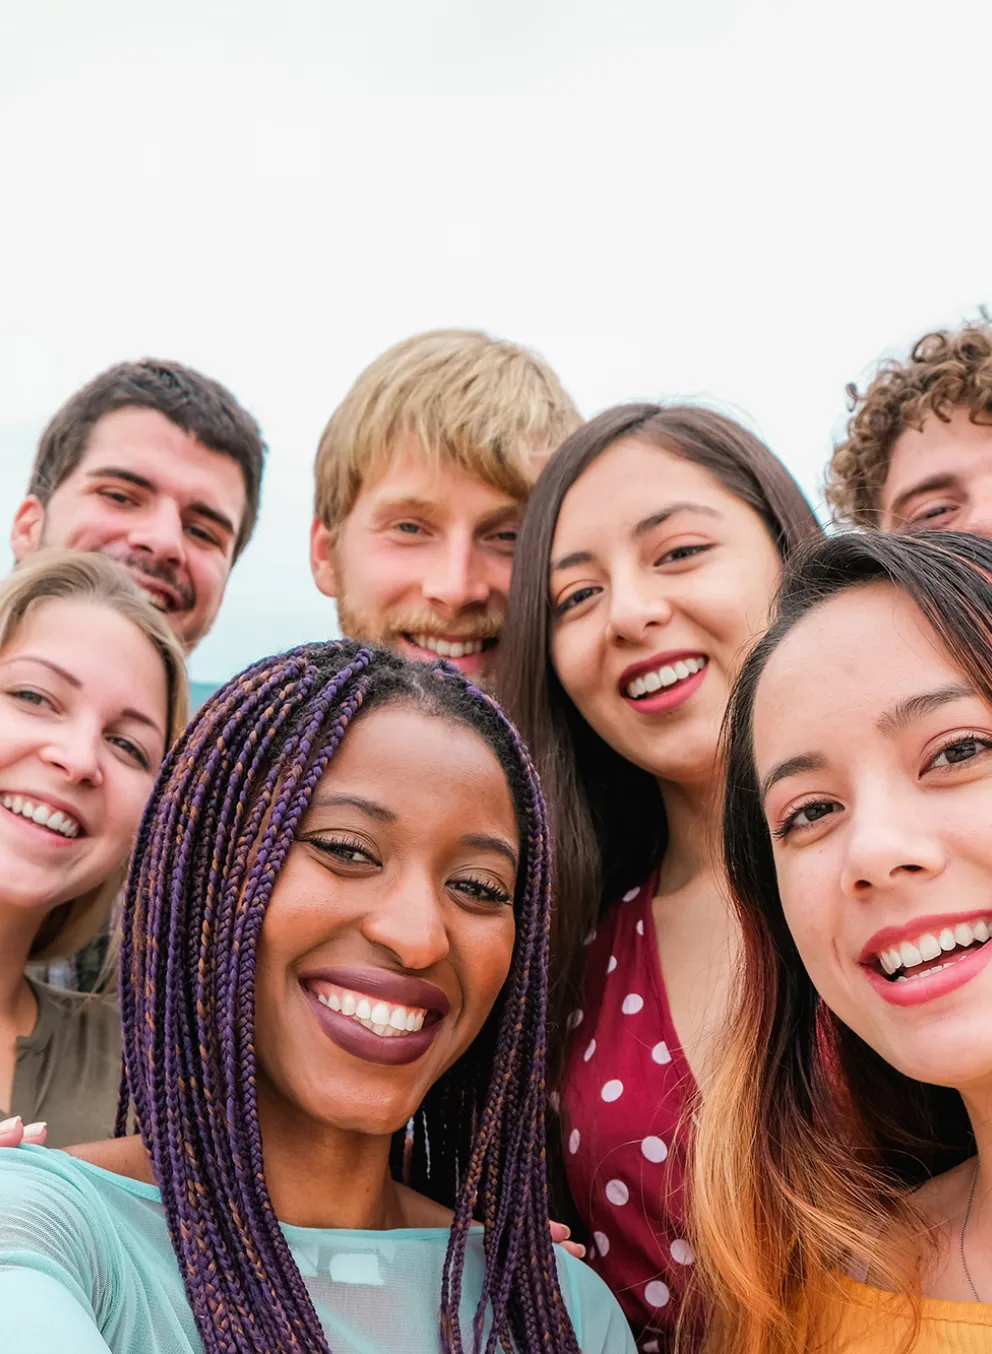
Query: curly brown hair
pixel 946 370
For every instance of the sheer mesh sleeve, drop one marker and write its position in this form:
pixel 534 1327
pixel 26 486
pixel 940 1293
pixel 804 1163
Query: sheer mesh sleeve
pixel 50 1272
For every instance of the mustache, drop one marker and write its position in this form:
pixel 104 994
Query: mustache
pixel 184 591
pixel 482 627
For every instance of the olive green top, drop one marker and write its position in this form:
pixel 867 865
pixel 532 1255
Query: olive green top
pixel 68 1068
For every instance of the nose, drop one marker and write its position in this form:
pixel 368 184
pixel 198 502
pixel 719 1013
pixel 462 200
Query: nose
pixel 635 606
pixel 410 923
pixel 158 531
pixel 458 577
pixel 75 753
pixel 891 841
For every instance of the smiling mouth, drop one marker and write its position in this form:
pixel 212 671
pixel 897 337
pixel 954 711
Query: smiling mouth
pixel 664 676
pixel 391 1020
pixel 932 951
pixel 450 648
pixel 43 815
pixel 160 600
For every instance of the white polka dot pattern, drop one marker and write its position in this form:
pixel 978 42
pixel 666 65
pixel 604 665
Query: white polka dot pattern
pixel 590 1050
pixel 653 1149
pixel 617 1193
pixel 602 1242
pixel 574 1138
pixel 612 964
pixel 613 1090
pixel 656 1293
pixel 630 895
pixel 660 1053
pixel 682 1253
pixel 632 1003
pixel 575 1020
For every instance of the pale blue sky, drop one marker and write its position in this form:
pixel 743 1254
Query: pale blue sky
pixel 742 202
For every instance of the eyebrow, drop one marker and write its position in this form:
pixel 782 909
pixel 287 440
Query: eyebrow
pixel 140 482
pixel 429 507
pixel 930 485
pixel 889 723
pixel 483 842
pixel 76 684
pixel 646 524
pixel 368 806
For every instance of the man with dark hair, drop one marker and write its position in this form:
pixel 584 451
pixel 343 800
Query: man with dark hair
pixel 918 450
pixel 158 467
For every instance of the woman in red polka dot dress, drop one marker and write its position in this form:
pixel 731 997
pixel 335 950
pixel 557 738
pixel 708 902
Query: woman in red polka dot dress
pixel 648 559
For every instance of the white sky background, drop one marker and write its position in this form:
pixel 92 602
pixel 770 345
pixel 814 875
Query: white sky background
pixel 741 202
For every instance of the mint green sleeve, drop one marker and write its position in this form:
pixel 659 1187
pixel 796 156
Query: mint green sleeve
pixel 600 1325
pixel 50 1273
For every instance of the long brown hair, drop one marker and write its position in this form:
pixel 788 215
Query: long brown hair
pixel 607 817
pixel 808 1142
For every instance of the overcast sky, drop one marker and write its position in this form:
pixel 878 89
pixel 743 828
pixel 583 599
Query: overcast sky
pixel 745 203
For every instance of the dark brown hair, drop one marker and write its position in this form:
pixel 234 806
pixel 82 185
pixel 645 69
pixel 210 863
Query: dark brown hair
pixel 808 1142
pixel 196 404
pixel 946 370
pixel 607 817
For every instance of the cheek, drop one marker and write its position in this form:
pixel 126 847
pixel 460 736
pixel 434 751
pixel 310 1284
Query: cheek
pixel 573 659
pixel 487 966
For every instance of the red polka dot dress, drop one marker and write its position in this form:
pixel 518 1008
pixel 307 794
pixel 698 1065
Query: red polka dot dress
pixel 623 1104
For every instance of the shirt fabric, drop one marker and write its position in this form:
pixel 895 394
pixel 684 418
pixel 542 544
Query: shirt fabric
pixel 864 1320
pixel 68 1069
pixel 624 1101
pixel 86 1266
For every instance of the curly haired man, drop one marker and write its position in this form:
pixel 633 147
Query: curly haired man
pixel 918 451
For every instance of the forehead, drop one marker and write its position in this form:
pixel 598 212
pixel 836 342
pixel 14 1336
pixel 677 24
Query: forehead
pixel 146 443
pixel 409 475
pixel 957 448
pixel 846 662
pixel 104 652
pixel 422 764
pixel 634 477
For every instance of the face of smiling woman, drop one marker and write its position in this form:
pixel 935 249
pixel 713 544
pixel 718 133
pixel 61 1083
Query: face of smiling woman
pixel 390 929
pixel 875 755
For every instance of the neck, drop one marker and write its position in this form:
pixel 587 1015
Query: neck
pixel 693 814
pixel 321 1176
pixel 979 1107
pixel 17 931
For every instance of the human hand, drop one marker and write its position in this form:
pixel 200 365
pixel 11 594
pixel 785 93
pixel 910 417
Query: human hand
pixel 14 1133
pixel 560 1234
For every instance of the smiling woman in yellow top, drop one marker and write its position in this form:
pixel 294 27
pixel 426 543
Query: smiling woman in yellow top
pixel 843 1184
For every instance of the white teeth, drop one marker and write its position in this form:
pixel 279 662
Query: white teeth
pixel 910 954
pixel 383 1019
pixel 54 819
pixel 663 677
pixel 929 947
pixel 448 648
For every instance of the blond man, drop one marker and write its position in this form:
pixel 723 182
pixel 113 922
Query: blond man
pixel 421 478
pixel 918 450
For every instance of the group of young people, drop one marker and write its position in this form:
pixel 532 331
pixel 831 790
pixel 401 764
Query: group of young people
pixel 625 866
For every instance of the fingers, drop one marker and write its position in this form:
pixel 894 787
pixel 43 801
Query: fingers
pixel 13 1133
pixel 560 1234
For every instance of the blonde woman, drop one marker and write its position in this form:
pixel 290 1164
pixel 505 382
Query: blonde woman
pixel 93 690
pixel 843 1172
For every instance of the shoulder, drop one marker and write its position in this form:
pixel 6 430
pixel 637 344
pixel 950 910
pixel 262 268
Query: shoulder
pixel 600 1325
pixel 38 1184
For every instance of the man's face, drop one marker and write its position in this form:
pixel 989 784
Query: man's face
pixel 149 495
pixel 940 478
pixel 422 563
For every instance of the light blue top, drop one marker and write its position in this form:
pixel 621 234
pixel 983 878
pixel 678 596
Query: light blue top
pixel 86 1266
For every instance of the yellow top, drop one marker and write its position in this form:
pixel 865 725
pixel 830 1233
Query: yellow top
pixel 871 1321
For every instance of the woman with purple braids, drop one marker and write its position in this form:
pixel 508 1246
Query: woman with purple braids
pixel 333 989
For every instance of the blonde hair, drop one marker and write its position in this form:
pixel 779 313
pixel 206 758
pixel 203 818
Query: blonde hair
pixel 68 575
pixel 484 405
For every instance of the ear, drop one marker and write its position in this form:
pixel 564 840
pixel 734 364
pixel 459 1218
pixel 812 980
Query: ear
pixel 322 558
pixel 29 523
